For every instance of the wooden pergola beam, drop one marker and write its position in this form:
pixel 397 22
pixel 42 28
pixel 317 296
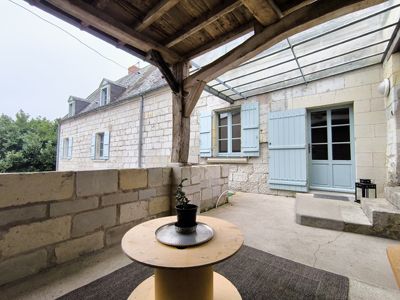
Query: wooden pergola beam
pixel 226 38
pixel 203 21
pixel 300 20
pixel 158 60
pixel 96 18
pixel 156 13
pixel 261 10
pixel 180 123
pixel 193 96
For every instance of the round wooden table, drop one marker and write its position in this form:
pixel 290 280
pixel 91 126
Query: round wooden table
pixel 183 273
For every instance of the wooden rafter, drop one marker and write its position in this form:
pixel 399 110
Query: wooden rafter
pixel 192 98
pixel 155 13
pixel 98 19
pixel 230 36
pixel 300 20
pixel 276 8
pixel 203 21
pixel 262 11
pixel 157 60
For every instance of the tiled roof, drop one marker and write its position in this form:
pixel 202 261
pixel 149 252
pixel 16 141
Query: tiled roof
pixel 144 80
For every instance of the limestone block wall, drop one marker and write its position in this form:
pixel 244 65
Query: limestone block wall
pixel 357 88
pixel 122 121
pixel 53 217
pixel 204 185
pixel 391 71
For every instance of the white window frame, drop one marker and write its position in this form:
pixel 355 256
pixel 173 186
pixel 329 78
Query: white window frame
pixel 229 153
pixel 99 146
pixel 70 109
pixel 105 90
pixel 65 147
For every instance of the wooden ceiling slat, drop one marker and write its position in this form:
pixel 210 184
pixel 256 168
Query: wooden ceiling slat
pixel 107 24
pixel 261 10
pixel 202 21
pixel 223 39
pixel 155 13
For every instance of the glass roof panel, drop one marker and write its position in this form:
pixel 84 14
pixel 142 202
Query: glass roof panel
pixel 350 42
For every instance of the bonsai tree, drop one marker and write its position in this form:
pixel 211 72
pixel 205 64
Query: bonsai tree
pixel 186 213
pixel 180 195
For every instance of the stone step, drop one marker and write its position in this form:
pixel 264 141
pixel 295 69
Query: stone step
pixel 331 214
pixel 392 194
pixel 384 216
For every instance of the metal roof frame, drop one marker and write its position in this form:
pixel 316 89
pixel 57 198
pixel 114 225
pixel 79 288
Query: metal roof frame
pixel 292 46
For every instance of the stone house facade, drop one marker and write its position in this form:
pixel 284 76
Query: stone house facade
pixel 367 135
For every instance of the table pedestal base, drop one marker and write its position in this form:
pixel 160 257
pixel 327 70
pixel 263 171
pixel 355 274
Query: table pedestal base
pixel 181 288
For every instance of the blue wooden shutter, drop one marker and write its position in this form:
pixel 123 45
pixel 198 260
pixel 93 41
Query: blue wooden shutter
pixel 93 147
pixel 288 150
pixel 106 145
pixel 205 134
pixel 70 142
pixel 250 129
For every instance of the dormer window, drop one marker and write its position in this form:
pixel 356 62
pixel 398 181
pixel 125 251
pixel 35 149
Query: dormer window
pixel 71 108
pixel 104 96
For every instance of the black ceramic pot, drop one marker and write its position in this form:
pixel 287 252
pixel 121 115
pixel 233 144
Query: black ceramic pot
pixel 186 218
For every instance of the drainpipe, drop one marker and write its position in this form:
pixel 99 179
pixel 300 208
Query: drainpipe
pixel 140 131
pixel 58 144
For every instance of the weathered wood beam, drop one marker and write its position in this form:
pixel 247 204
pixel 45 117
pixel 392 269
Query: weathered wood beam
pixel 297 7
pixel 180 123
pixel 203 21
pixel 276 8
pixel 156 13
pixel 226 38
pixel 193 96
pixel 101 3
pixel 300 20
pixel 262 11
pixel 102 22
pixel 157 60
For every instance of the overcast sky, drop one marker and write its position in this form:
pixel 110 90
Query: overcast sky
pixel 41 66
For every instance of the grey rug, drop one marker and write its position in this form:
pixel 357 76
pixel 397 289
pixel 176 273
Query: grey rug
pixel 256 274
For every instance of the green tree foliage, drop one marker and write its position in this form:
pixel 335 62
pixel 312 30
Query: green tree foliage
pixel 27 144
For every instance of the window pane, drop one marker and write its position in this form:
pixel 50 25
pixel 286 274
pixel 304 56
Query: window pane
pixel 236 131
pixel 223 132
pixel 320 152
pixel 319 135
pixel 340 116
pixel 236 145
pixel 341 134
pixel 236 117
pixel 318 118
pixel 223 146
pixel 341 151
pixel 223 119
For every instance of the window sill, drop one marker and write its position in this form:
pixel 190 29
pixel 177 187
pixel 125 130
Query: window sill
pixel 100 159
pixel 227 160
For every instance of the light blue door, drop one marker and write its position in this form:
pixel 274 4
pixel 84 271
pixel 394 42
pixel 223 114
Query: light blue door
pixel 287 148
pixel 331 149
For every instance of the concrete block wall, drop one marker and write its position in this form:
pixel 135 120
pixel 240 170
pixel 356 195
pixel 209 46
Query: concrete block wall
pixel 358 88
pixel 122 121
pixel 53 217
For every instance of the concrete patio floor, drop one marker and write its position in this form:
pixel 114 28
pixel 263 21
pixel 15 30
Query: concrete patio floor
pixel 268 223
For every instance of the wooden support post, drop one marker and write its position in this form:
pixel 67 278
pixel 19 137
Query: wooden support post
pixel 180 123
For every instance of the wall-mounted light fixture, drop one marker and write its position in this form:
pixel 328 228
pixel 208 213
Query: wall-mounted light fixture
pixel 384 87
